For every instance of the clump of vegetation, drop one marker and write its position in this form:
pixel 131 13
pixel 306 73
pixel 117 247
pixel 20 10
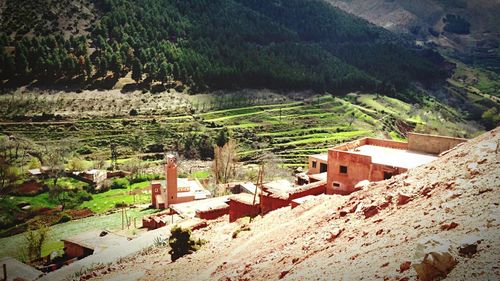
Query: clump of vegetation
pixel 160 242
pixel 64 218
pixel 35 238
pixel 181 243
pixel 121 205
pixel 68 198
pixel 120 183
pixel 244 227
pixel 491 118
pixel 456 24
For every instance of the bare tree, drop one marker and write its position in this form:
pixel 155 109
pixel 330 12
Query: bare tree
pixel 273 167
pixel 8 176
pixel 54 160
pixel 225 160
pixel 134 166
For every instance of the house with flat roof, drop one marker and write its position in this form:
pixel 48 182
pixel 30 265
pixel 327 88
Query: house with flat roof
pixel 318 163
pixel 91 242
pixel 375 159
pixel 16 270
pixel 175 190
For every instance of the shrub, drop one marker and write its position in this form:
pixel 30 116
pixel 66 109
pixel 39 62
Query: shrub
pixel 120 183
pixel 181 243
pixel 82 195
pixel 456 24
pixel 133 112
pixel 64 218
pixel 35 237
pixel 242 228
pixel 160 242
pixel 121 205
pixel 144 177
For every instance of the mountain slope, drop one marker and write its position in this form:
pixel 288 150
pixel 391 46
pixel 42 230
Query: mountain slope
pixel 474 36
pixel 341 238
pixel 216 45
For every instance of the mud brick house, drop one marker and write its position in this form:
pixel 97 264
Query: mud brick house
pixel 213 212
pixel 243 205
pixel 175 190
pixel 318 164
pixel 160 219
pixel 377 159
pixel 280 193
pixel 92 242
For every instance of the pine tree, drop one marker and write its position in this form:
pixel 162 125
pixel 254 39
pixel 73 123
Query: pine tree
pixel 136 70
pixel 88 68
pixel 163 72
pixel 115 65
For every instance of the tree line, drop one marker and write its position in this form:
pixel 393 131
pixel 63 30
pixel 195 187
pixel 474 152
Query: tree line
pixel 223 44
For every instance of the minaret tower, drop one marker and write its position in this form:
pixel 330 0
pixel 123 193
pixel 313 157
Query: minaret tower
pixel 171 174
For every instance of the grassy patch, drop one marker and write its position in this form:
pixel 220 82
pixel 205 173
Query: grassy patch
pixel 103 202
pixel 12 246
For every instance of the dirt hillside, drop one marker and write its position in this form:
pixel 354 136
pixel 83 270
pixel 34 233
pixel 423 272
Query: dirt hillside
pixel 446 213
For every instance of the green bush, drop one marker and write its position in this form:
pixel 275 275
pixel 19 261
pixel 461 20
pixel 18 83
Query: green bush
pixel 64 218
pixel 120 183
pixel 143 178
pixel 121 205
pixel 181 243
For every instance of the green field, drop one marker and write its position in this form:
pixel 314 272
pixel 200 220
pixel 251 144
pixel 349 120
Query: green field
pixel 276 124
pixel 12 246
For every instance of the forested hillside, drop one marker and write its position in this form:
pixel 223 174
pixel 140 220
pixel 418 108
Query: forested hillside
pixel 208 44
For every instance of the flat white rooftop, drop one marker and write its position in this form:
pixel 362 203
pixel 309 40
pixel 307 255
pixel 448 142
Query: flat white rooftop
pixel 322 157
pixel 394 157
pixel 189 209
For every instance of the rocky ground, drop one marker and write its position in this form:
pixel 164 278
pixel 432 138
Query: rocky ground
pixel 442 219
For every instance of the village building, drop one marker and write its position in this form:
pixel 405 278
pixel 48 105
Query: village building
pixel 318 164
pixel 95 175
pixel 92 242
pixel 16 270
pixel 375 159
pixel 343 170
pixel 278 194
pixel 175 190
pixel 243 205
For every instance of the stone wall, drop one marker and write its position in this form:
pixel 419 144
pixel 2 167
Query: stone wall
pixel 213 213
pixel 387 143
pixel 432 144
pixel 269 203
pixel 239 209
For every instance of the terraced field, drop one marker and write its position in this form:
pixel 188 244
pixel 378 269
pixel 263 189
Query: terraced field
pixel 289 127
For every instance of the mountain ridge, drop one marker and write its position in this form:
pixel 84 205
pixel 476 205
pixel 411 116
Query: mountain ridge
pixel 224 44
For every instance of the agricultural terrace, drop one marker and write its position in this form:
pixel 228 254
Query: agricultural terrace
pixel 291 127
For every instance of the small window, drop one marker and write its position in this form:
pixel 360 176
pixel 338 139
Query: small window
pixel 314 164
pixel 336 184
pixel 343 169
pixel 387 175
pixel 323 167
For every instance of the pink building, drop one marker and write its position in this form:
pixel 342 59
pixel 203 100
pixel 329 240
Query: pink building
pixel 175 190
pixel 378 159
